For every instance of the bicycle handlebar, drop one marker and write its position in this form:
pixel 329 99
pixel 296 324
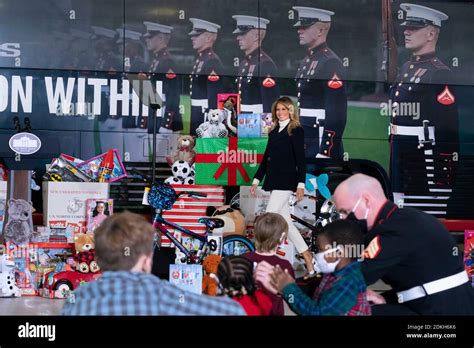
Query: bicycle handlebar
pixel 192 194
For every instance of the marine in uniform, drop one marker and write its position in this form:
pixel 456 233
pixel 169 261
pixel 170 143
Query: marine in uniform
pixel 321 91
pixel 205 81
pixel 104 47
pixel 424 119
pixel 163 68
pixel 257 85
pixel 409 250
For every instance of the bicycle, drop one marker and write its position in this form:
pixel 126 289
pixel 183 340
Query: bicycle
pixel 327 214
pixel 161 197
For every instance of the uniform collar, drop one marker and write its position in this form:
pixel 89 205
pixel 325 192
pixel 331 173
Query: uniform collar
pixel 161 53
pixel 423 57
pixel 385 212
pixel 207 52
pixel 318 48
pixel 253 54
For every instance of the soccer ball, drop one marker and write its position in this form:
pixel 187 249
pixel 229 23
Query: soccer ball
pixel 181 169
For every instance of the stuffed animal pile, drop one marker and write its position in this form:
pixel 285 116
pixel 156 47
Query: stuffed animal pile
pixel 85 254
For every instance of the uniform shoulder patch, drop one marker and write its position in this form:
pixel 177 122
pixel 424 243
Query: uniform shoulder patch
pixel 335 82
pixel 373 249
pixel 213 77
pixel 170 74
pixel 268 82
pixel 446 97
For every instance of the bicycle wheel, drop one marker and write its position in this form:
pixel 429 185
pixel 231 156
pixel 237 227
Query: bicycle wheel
pixel 236 245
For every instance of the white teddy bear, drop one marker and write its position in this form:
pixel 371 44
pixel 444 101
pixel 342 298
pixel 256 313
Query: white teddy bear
pixel 214 126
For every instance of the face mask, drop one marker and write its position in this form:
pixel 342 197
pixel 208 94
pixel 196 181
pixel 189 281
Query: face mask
pixel 323 265
pixel 362 223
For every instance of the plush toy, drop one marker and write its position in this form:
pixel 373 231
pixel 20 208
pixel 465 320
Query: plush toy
pixel 209 282
pixel 184 152
pixel 231 118
pixel 266 123
pixel 8 286
pixel 19 227
pixel 234 220
pixel 85 254
pixel 214 126
pixel 183 173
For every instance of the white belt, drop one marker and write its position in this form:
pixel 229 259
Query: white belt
pixel 417 131
pixel 433 287
pixel 204 103
pixel 253 108
pixel 319 113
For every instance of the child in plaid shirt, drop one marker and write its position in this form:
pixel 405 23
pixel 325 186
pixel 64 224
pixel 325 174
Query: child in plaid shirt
pixel 342 290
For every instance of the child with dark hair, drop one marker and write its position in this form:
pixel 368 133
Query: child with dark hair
pixel 342 290
pixel 235 274
pixel 271 229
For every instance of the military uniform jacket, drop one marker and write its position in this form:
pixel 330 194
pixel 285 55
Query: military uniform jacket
pixel 407 248
pixel 320 86
pixel 283 164
pixel 257 86
pixel 163 68
pixel 423 81
pixel 205 84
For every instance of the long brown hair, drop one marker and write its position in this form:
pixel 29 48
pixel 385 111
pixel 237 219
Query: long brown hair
pixel 293 110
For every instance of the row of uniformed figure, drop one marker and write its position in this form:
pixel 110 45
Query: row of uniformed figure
pixel 422 145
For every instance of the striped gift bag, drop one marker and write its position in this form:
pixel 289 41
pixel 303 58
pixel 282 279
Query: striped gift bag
pixel 187 210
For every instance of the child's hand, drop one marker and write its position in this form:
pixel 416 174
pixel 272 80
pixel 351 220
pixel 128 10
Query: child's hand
pixel 262 274
pixel 375 298
pixel 279 279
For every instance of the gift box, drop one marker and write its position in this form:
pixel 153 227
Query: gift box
pixel 228 161
pixel 64 203
pixel 469 254
pixel 186 211
pixel 252 206
pixel 33 260
pixel 249 126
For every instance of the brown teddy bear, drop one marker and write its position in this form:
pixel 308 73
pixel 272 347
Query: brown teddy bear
pixel 85 254
pixel 209 283
pixel 234 220
pixel 184 152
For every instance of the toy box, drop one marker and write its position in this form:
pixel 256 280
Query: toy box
pixel 187 277
pixel 249 125
pixel 91 167
pixel 97 210
pixel 469 254
pixel 64 203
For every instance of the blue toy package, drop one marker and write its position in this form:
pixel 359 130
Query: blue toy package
pixel 249 126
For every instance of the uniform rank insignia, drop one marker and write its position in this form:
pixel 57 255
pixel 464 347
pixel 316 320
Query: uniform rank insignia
pixel 268 82
pixel 170 74
pixel 445 97
pixel 213 77
pixel 335 82
pixel 373 249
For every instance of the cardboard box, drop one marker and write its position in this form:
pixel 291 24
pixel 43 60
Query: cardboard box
pixel 64 203
pixel 187 277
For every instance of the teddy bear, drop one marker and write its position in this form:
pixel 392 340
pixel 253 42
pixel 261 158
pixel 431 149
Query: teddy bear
pixel 19 227
pixel 85 254
pixel 214 126
pixel 183 174
pixel 184 152
pixel 234 220
pixel 209 280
